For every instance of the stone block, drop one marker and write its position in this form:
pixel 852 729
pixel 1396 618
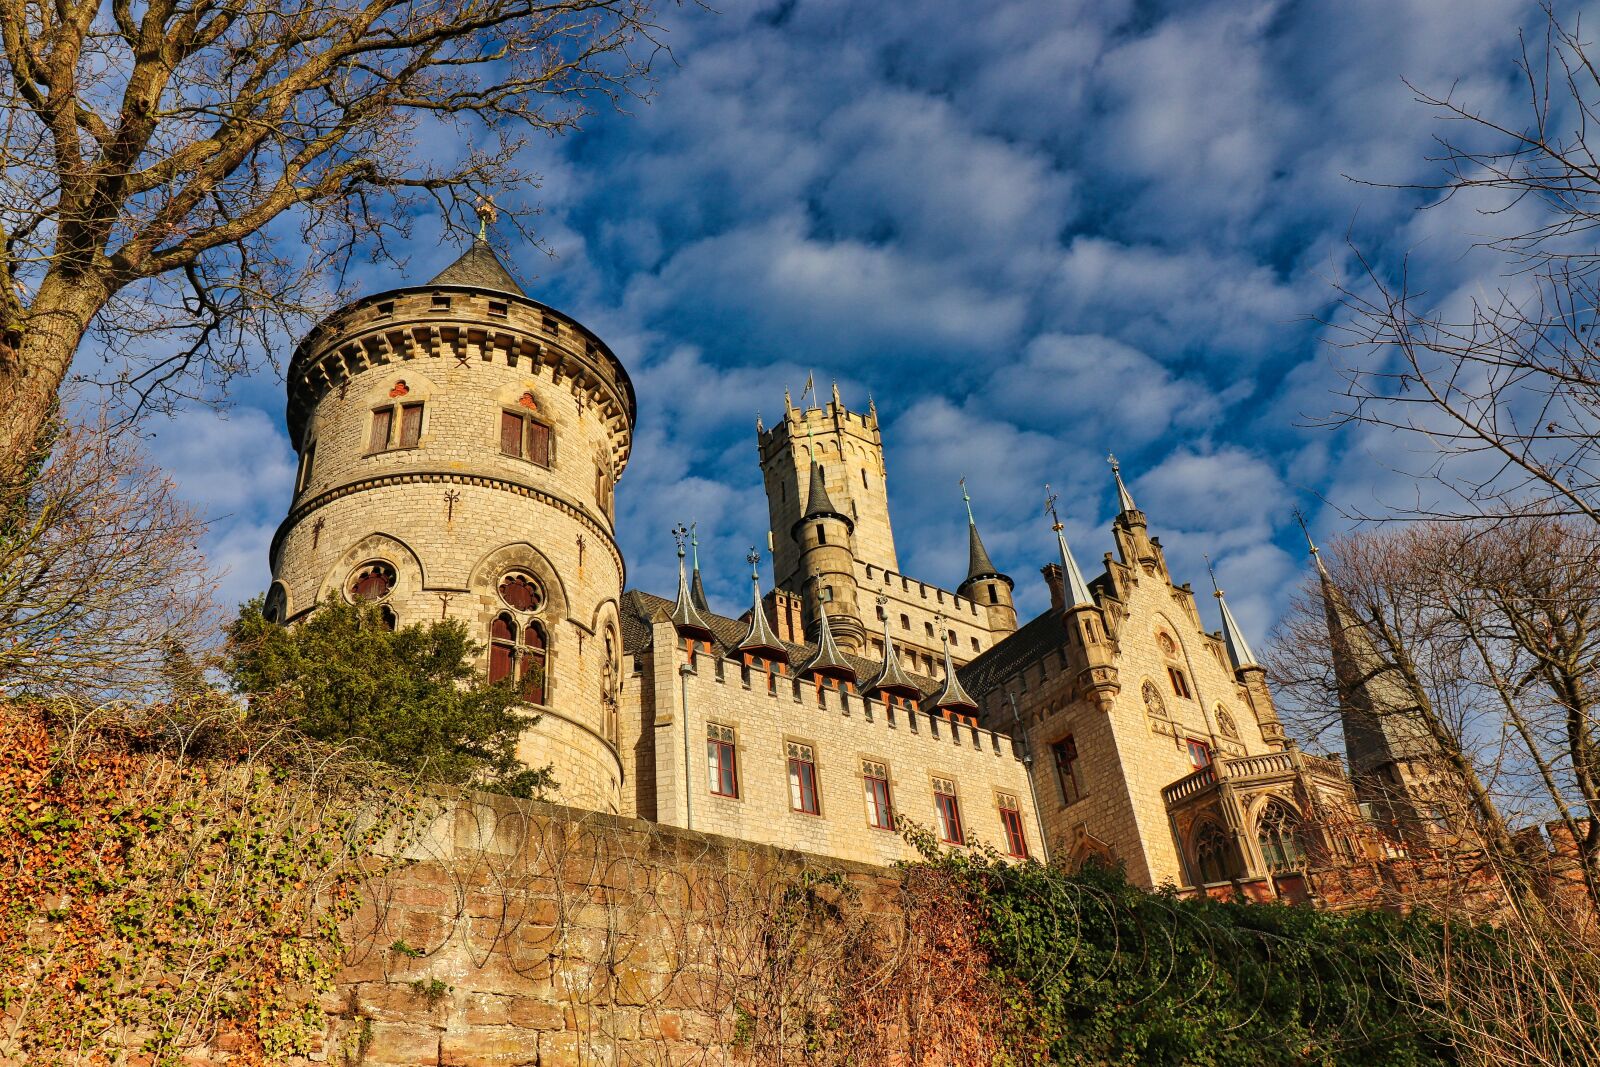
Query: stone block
pixel 488 1046
pixel 408 1044
pixel 534 1013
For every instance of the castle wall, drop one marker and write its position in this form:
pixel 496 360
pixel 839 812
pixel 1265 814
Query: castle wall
pixel 911 744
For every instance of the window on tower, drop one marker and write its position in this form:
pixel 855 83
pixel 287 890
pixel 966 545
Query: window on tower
pixel 395 426
pixel 524 437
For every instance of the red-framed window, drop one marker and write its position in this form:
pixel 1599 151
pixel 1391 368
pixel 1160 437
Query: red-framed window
pixel 721 760
pixel 803 779
pixel 1199 753
pixel 948 811
pixel 1011 819
pixel 1066 755
pixel 875 780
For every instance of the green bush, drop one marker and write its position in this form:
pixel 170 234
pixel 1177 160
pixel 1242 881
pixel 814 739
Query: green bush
pixel 1100 971
pixel 410 697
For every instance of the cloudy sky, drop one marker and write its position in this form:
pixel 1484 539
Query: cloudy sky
pixel 1035 232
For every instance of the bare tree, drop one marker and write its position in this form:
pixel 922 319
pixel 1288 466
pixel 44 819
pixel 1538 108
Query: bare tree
pixel 183 176
pixel 103 589
pixel 1502 391
pixel 1491 629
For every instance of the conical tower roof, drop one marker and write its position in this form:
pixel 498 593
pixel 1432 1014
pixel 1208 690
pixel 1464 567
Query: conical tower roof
pixel 1077 590
pixel 827 659
pixel 697 589
pixel 479 268
pixel 979 565
pixel 818 503
pixel 760 638
pixel 891 676
pixel 953 695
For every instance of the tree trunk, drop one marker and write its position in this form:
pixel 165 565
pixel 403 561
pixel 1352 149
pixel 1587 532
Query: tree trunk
pixel 35 356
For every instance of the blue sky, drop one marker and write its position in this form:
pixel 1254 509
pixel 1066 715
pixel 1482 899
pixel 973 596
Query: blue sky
pixel 1034 231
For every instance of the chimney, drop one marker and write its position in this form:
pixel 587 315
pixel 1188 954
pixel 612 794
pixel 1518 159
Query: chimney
pixel 783 612
pixel 1055 578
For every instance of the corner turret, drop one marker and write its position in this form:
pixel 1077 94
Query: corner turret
pixel 1252 677
pixel 984 584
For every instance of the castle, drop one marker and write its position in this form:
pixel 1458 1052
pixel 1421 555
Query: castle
pixel 459 447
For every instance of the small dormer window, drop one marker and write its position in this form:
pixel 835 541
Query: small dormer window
pixel 552 323
pixel 386 308
pixel 441 302
pixel 497 308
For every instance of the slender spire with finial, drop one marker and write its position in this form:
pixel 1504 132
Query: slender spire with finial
pixel 1077 589
pixel 1239 653
pixel 979 565
pixel 837 403
pixel 1124 498
pixel 890 675
pixel 760 638
pixel 685 615
pixel 953 695
pixel 697 589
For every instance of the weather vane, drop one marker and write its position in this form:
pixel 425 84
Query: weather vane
pixel 679 533
pixel 1212 571
pixel 484 208
pixel 753 557
pixel 1050 508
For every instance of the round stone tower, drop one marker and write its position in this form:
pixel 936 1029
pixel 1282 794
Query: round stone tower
pixel 459 446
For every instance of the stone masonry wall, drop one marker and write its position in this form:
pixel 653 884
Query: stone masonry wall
pixel 525 934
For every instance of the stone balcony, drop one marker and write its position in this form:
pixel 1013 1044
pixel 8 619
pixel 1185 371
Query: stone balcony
pixel 1255 823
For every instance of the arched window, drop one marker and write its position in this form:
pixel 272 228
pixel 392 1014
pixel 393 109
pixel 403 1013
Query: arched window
pixel 390 620
pixel 905 622
pixel 502 647
pixel 533 662
pixel 1212 854
pixel 372 581
pixel 521 592
pixel 1278 834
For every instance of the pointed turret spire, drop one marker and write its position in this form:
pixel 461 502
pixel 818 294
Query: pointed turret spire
pixel 685 615
pixel 1124 498
pixel 891 676
pixel 760 638
pixel 1239 654
pixel 953 696
pixel 827 659
pixel 1316 553
pixel 818 503
pixel 1077 590
pixel 697 589
pixel 979 565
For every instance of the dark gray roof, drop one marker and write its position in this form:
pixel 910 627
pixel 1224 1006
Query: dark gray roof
pixel 479 268
pixel 979 565
pixel 697 591
pixel 686 614
pixel 1030 644
pixel 953 695
pixel 760 636
pixel 818 502
pixel 890 674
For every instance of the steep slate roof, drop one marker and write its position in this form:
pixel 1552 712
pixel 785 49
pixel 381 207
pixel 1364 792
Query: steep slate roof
pixel 479 268
pixel 1028 645
pixel 953 695
pixel 760 636
pixel 891 675
pixel 686 615
pixel 640 610
pixel 979 565
pixel 818 502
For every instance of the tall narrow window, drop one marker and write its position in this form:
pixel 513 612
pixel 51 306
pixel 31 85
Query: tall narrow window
pixel 1066 753
pixel 1199 753
pixel 511 433
pixel 1180 684
pixel 502 647
pixel 875 779
pixel 381 419
pixel 307 458
pixel 533 662
pixel 410 425
pixel 1212 854
pixel 538 442
pixel 948 810
pixel 1278 834
pixel 802 779
pixel 720 760
pixel 1011 819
